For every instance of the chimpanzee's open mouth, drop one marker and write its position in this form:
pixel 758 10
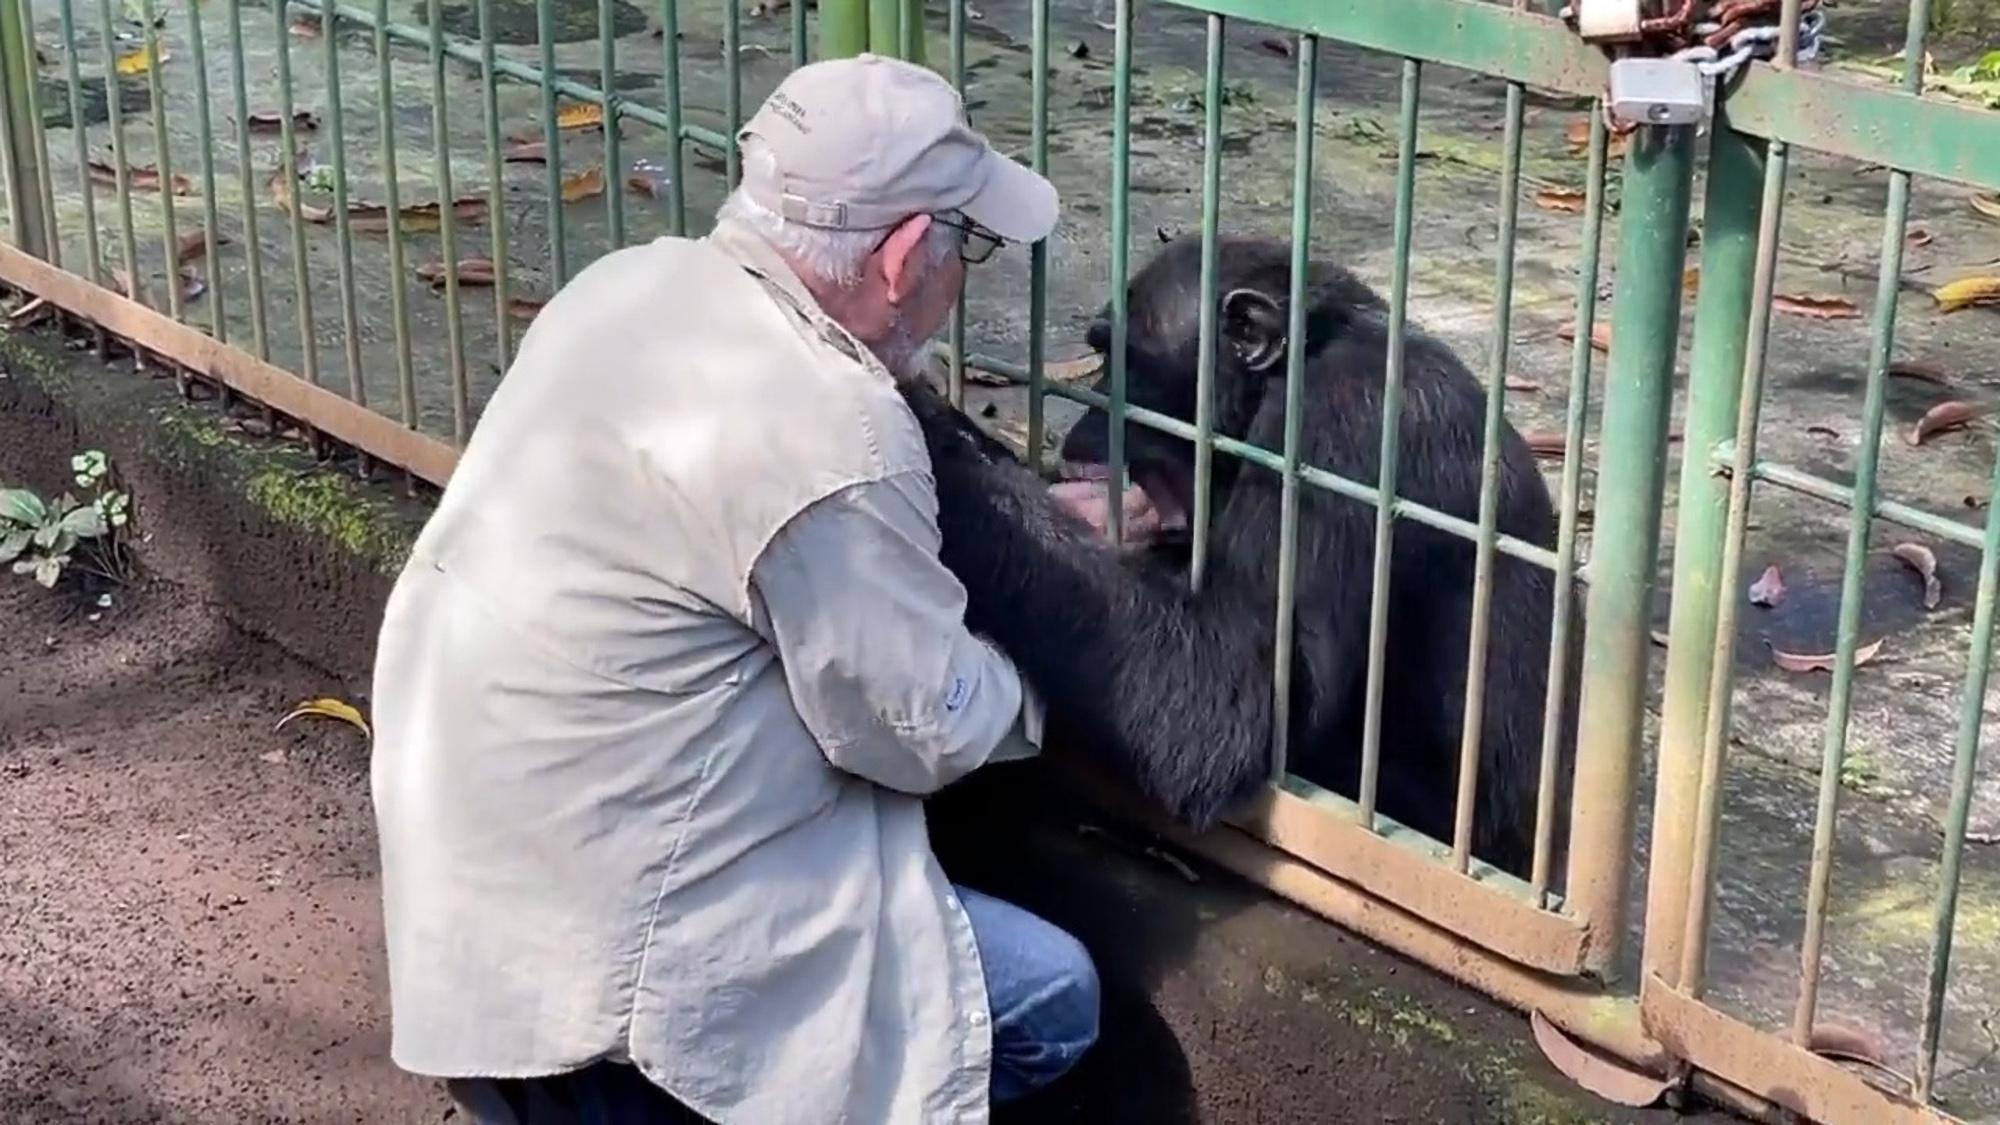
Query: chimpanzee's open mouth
pixel 1166 492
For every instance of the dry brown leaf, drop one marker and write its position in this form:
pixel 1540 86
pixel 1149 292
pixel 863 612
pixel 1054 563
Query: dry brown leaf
pixel 194 244
pixel 303 120
pixel 1516 383
pixel 1816 307
pixel 1820 662
pixel 141 177
pixel 470 271
pixel 1657 637
pixel 1987 205
pixel 305 26
pixel 1822 431
pixel 1578 136
pixel 1600 334
pixel 1594 1071
pixel 1277 46
pixel 526 152
pixel 1769 589
pixel 1919 236
pixel 584 184
pixel 1072 370
pixel 1946 416
pixel 1967 292
pixel 138 62
pixel 191 285
pixel 1552 444
pixel 525 308
pixel 1924 561
pixel 1691 279
pixel 1922 372
pixel 1568 200
pixel 643 185
pixel 417 216
pixel 580 115
pixel 280 187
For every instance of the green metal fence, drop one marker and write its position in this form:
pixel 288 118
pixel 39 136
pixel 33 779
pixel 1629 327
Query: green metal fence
pixel 281 254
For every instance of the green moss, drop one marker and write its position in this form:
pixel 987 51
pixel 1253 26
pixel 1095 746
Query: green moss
pixel 330 506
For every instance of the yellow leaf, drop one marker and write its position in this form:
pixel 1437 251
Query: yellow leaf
pixel 328 708
pixel 138 62
pixel 584 184
pixel 1966 292
pixel 580 115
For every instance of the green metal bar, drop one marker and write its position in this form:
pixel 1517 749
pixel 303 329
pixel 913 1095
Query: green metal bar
pixel 1389 453
pixel 670 76
pixel 1401 509
pixel 1806 484
pixel 253 246
pixel 121 167
pixel 503 329
pixel 399 295
pixel 82 138
pixel 843 28
pixel 1848 636
pixel 289 168
pixel 545 34
pixel 732 88
pixel 1631 475
pixel 801 53
pixel 33 223
pixel 343 229
pixel 162 158
pixel 1489 486
pixel 1038 254
pixel 218 325
pixel 1295 409
pixel 1204 379
pixel 1571 508
pixel 614 161
pixel 454 324
pixel 1731 214
pixel 956 337
pixel 1964 773
pixel 1749 398
pixel 1534 50
pixel 1876 125
pixel 37 134
pixel 910 31
pixel 1121 247
pixel 885 26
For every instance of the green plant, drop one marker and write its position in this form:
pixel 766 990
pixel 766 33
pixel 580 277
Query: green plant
pixel 44 538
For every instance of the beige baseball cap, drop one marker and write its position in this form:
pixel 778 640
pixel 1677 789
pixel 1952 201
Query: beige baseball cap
pixel 863 143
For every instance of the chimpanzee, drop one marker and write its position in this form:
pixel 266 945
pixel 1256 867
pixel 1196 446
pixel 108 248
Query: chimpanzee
pixel 1175 688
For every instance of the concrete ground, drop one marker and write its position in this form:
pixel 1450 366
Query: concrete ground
pixel 189 926
pixel 1895 781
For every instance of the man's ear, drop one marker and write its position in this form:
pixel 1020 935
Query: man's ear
pixel 898 256
pixel 1255 327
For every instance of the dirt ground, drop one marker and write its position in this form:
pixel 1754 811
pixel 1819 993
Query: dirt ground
pixel 189 928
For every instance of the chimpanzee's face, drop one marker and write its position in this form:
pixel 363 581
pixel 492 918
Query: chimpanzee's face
pixel 1163 360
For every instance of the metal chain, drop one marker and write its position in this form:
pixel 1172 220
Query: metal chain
pixel 1746 43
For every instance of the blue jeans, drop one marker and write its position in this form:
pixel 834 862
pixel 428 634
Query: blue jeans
pixel 1040 986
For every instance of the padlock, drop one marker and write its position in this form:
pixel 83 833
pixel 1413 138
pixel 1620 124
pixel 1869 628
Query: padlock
pixel 1607 21
pixel 1658 91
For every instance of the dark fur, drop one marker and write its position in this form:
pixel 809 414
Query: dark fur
pixel 1174 688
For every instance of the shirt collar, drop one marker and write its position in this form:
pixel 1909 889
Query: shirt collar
pixel 763 262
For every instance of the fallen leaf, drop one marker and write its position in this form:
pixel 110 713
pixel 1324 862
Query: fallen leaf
pixel 1658 637
pixel 1816 307
pixel 1516 383
pixel 1823 431
pixel 194 244
pixel 327 708
pixel 1946 416
pixel 1552 444
pixel 470 271
pixel 647 186
pixel 191 285
pixel 1600 334
pixel 1976 503
pixel 282 196
pixel 139 62
pixel 1769 589
pixel 1578 135
pixel 305 26
pixel 141 177
pixel 1072 370
pixel 525 308
pixel 584 184
pixel 580 115
pixel 526 152
pixel 1987 205
pixel 1924 561
pixel 1691 279
pixel 1568 200
pixel 26 313
pixel 1967 292
pixel 303 120
pixel 1922 372
pixel 1820 662
pixel 275 757
pixel 1594 1071
pixel 1919 236
pixel 1277 46
pixel 417 216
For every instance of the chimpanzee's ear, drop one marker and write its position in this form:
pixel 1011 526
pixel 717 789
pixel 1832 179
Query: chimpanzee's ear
pixel 1255 327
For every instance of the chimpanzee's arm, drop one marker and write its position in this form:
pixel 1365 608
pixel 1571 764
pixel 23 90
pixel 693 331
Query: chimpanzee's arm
pixel 1172 690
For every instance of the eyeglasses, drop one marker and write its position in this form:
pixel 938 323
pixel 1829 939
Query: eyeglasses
pixel 977 243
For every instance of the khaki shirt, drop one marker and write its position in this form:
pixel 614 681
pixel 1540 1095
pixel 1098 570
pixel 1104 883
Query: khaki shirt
pixel 657 698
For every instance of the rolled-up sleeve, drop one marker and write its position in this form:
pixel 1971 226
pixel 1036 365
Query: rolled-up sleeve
pixel 870 628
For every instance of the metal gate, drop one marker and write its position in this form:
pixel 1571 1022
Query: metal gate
pixel 189 274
